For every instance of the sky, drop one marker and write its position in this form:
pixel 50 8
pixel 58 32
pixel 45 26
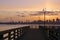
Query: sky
pixel 12 8
pixel 28 5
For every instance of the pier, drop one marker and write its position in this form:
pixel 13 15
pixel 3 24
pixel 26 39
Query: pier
pixel 28 33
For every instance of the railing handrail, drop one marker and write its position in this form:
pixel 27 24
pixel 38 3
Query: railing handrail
pixel 20 31
pixel 53 33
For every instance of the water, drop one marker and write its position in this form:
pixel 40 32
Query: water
pixel 7 27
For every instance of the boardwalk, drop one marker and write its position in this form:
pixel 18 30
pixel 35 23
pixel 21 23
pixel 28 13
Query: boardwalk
pixel 34 34
pixel 28 33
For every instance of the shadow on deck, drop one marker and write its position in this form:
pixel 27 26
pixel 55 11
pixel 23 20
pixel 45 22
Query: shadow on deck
pixel 34 34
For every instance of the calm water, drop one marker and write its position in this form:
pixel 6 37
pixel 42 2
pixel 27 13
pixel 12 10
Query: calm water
pixel 6 27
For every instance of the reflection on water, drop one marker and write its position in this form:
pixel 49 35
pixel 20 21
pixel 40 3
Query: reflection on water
pixel 6 27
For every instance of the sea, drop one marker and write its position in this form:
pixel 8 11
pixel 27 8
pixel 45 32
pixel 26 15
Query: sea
pixel 12 26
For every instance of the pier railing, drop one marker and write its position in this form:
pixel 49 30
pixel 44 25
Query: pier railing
pixel 52 32
pixel 13 34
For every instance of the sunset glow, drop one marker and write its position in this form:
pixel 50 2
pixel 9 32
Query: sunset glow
pixel 12 8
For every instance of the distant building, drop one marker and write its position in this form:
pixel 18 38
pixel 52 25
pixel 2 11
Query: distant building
pixel 57 20
pixel 53 21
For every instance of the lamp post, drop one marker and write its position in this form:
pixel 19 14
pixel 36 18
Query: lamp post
pixel 44 11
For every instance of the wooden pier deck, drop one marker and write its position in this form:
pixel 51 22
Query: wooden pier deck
pixel 34 34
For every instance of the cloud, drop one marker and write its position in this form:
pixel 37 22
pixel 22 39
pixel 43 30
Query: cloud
pixel 44 13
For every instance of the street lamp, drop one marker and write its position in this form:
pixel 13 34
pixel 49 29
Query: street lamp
pixel 44 11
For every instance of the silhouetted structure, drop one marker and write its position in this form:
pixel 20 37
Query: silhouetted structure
pixel 35 22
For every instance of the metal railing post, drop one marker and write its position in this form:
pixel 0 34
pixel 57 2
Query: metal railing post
pixel 1 36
